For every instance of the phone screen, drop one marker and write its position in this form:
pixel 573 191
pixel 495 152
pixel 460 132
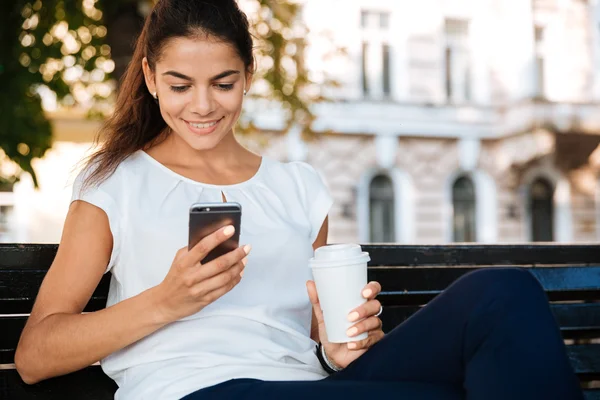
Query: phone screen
pixel 206 218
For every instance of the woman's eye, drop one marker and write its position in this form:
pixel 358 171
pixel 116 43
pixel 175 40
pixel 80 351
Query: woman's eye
pixel 225 86
pixel 179 89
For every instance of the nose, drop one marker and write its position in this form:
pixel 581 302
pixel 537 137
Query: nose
pixel 203 103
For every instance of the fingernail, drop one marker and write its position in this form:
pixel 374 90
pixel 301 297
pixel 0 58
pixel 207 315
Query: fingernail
pixel 247 248
pixel 367 292
pixel 353 316
pixel 351 331
pixel 242 274
pixel 352 345
pixel 244 261
pixel 228 230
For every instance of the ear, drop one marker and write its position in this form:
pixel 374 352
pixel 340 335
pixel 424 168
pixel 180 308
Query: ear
pixel 148 76
pixel 248 82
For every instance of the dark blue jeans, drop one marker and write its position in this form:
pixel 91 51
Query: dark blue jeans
pixel 489 336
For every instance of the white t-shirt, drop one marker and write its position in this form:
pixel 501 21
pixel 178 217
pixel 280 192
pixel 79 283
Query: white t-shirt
pixel 261 329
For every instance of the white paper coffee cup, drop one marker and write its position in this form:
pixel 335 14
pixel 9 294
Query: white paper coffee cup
pixel 340 274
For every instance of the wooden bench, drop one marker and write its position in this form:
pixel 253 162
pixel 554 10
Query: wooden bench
pixel 410 275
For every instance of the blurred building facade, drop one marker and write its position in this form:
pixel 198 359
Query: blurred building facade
pixel 455 121
pixel 461 120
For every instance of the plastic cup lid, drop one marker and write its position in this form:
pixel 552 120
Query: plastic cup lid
pixel 337 255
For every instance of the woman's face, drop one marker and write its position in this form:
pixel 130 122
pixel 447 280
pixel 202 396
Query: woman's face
pixel 199 84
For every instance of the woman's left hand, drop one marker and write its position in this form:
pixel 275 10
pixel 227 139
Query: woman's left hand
pixel 342 354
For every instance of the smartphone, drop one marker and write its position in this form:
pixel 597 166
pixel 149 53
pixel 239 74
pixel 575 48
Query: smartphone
pixel 206 218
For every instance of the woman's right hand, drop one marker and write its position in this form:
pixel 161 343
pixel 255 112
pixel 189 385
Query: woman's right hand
pixel 190 286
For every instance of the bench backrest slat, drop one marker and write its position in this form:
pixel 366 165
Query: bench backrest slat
pixel 415 285
pixel 481 254
pixel 18 290
pixel 576 320
pixel 27 256
pixel 585 359
pixel 40 256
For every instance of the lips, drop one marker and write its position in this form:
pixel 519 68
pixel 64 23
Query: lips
pixel 202 128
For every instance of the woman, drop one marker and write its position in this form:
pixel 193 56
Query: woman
pixel 174 328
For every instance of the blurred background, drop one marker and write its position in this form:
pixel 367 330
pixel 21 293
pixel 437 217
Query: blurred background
pixel 432 121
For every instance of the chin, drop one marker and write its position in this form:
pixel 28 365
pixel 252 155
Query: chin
pixel 203 143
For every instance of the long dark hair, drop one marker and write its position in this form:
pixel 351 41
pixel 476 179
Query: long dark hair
pixel 136 122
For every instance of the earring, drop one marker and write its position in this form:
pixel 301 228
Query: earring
pixel 245 93
pixel 155 96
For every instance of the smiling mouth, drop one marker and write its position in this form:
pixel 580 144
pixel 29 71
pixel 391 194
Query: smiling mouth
pixel 203 125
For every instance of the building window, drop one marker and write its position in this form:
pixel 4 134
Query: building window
pixel 448 78
pixel 386 70
pixel 539 34
pixel 463 205
pixel 381 210
pixel 384 20
pixel 364 19
pixel 374 19
pixel 540 89
pixel 365 75
pixel 541 210
pixel 458 75
pixel 375 54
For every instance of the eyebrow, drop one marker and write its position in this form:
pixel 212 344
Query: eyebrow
pixel 222 75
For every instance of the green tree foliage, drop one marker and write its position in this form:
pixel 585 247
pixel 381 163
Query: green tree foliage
pixel 65 46
pixel 280 57
pixel 51 43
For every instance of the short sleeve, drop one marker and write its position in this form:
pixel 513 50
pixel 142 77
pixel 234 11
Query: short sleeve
pixel 95 195
pixel 316 199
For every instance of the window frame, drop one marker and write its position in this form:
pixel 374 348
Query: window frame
pixel 471 234
pixel 389 235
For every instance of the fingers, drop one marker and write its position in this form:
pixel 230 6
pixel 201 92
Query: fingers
pixel 366 310
pixel 366 325
pixel 181 253
pixel 312 292
pixel 314 299
pixel 371 307
pixel 218 285
pixel 374 337
pixel 208 243
pixel 371 290
pixel 370 323
pixel 222 263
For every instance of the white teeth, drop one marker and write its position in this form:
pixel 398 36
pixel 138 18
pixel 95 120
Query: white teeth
pixel 203 126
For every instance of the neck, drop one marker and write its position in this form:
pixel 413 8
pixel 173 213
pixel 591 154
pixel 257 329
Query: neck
pixel 226 153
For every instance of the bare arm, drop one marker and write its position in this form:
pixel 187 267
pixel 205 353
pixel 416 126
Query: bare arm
pixel 321 240
pixel 57 338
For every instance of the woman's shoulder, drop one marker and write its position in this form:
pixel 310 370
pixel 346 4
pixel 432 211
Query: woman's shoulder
pixel 290 168
pixel 298 174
